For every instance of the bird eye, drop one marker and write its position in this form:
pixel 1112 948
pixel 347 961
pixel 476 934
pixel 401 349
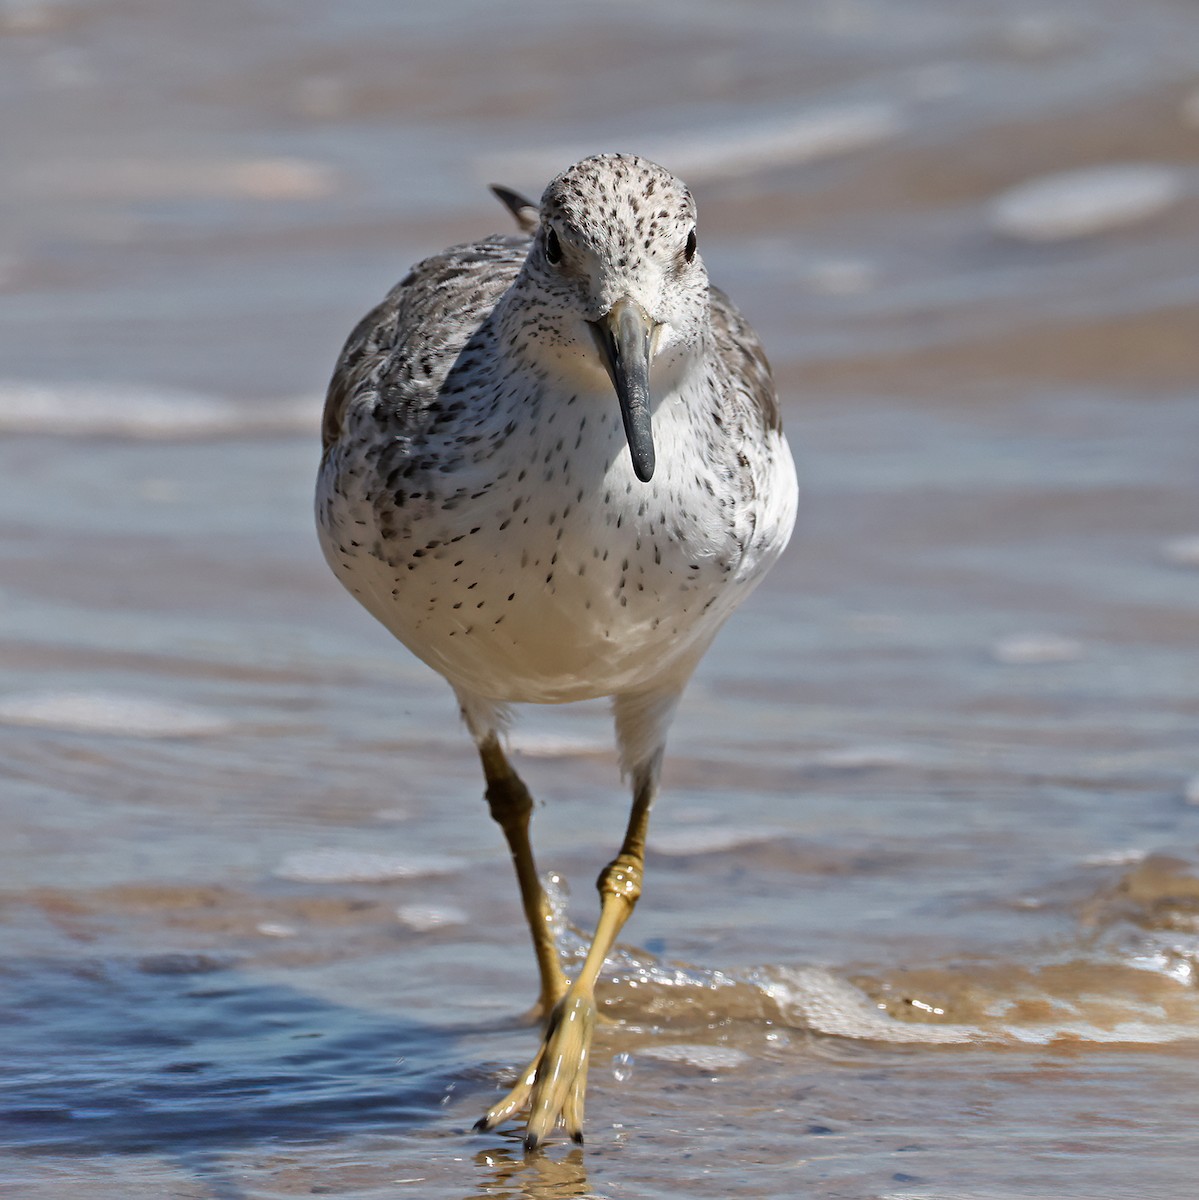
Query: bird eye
pixel 689 252
pixel 553 247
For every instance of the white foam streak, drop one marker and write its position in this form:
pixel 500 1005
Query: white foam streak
pixel 818 1000
pixel 1081 203
pixel 110 410
pixel 110 713
pixel 734 149
pixel 851 758
pixel 821 1001
pixel 274 179
pixel 426 917
pixel 1182 552
pixel 805 137
pixel 706 1058
pixel 333 865
pixel 710 839
pixel 1030 649
pixel 549 745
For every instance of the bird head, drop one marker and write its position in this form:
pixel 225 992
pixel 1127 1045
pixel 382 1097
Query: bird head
pixel 616 249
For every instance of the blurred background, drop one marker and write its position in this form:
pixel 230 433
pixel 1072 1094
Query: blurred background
pixel 922 917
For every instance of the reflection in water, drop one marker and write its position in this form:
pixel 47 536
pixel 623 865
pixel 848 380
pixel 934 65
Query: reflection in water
pixel 538 1176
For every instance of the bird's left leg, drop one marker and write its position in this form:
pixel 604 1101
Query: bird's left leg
pixel 511 808
pixel 552 1087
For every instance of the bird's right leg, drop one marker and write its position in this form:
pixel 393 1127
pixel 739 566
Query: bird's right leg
pixel 511 807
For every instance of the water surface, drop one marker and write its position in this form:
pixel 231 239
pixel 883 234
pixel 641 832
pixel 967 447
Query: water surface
pixel 922 914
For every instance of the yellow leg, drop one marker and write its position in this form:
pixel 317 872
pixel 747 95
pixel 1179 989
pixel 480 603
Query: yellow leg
pixel 552 1086
pixel 511 806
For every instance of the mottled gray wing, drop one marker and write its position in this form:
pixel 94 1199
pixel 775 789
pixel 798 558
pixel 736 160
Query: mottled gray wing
pixel 400 352
pixel 750 379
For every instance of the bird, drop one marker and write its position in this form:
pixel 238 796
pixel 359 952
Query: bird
pixel 553 465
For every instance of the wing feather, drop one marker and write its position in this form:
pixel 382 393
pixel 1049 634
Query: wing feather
pixel 738 349
pixel 402 350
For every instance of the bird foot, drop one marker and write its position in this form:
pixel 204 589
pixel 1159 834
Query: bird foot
pixel 552 1086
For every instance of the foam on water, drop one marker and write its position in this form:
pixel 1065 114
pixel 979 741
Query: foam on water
pixel 426 917
pixel 853 758
pixel 110 713
pixel 1079 203
pixel 1128 981
pixel 816 999
pixel 1032 648
pixel 710 839
pixel 1027 1013
pixel 706 1058
pixel 333 865
pixel 275 929
pixel 1115 858
pixel 163 178
pixel 804 137
pixel 1182 552
pixel 550 745
pixel 1176 962
pixel 734 149
pixel 110 410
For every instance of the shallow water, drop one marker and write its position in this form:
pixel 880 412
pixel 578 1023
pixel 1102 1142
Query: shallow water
pixel 922 916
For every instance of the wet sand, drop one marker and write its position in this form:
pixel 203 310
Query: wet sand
pixel 922 915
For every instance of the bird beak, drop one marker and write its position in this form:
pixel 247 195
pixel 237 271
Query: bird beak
pixel 623 335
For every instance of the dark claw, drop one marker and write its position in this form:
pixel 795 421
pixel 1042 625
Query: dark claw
pixel 577 1138
pixel 532 1142
pixel 482 1125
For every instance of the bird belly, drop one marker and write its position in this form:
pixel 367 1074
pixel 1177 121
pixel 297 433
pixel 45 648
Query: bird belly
pixel 553 574
pixel 544 621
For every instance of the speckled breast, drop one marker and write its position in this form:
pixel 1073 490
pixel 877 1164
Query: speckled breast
pixel 553 574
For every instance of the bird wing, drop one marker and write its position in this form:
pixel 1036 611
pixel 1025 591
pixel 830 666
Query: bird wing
pixel 751 383
pixel 764 470
pixel 400 353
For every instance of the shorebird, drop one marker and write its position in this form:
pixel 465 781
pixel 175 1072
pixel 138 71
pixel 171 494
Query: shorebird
pixel 553 466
